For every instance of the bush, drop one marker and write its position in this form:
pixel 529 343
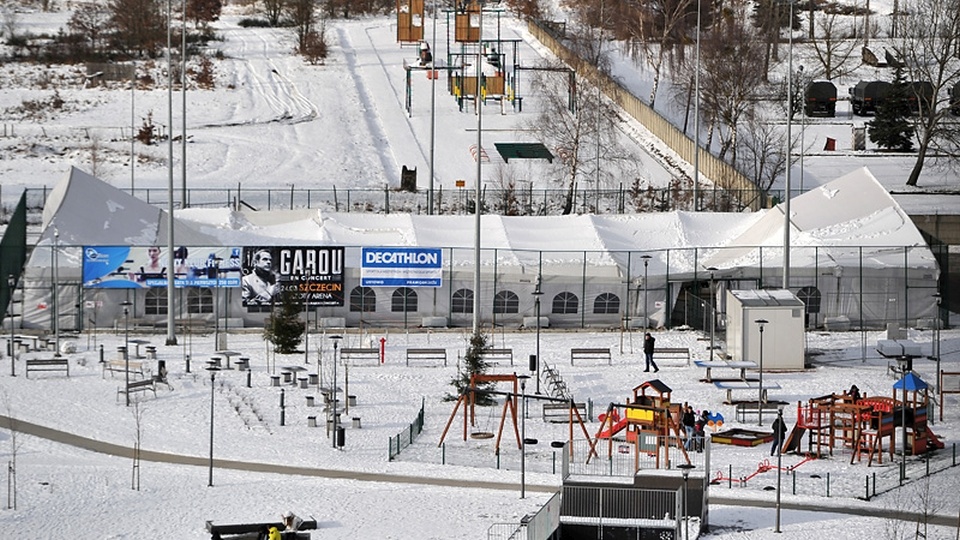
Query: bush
pixel 254 23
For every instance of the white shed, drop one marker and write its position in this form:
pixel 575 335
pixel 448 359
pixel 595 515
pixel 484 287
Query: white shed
pixel 783 343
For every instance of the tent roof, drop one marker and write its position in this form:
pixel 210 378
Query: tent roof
pixel 912 382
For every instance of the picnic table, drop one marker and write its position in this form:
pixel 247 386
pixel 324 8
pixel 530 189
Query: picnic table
pixel 755 386
pixel 227 355
pixel 137 343
pixel 290 373
pixel 743 366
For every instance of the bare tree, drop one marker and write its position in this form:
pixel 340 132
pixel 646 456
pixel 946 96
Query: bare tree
pixel 273 10
pixel 834 47
pixel 90 21
pixel 731 76
pixel 137 413
pixel 303 18
pixel 9 20
pixel 140 25
pixel 932 30
pixel 15 444
pixel 657 28
pixel 761 154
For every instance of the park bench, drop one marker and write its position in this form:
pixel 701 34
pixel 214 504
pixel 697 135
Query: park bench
pixel 371 354
pixel 590 354
pixel 743 366
pixel 744 408
pixel 429 355
pixel 559 413
pixel 144 385
pixel 495 356
pixel 671 353
pixel 120 366
pixel 236 531
pixel 48 364
pixel 753 386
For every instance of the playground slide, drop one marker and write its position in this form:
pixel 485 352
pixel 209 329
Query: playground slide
pixel 616 428
pixel 792 442
pixel 934 440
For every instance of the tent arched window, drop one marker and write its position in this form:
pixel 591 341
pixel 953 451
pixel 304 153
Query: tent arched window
pixel 606 303
pixel 565 303
pixel 363 299
pixel 506 302
pixel 462 301
pixel 199 300
pixel 155 301
pixel 404 300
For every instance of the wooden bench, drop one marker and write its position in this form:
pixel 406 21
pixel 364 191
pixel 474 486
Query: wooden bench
pixel 671 353
pixel 590 354
pixel 559 413
pixel 250 529
pixel 48 364
pixel 120 366
pixel 367 354
pixel 743 366
pixel 744 408
pixel 494 356
pixel 144 385
pixel 431 355
pixel 754 386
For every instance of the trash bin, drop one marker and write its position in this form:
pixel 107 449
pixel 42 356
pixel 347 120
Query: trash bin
pixel 341 436
pixel 831 144
pixel 312 421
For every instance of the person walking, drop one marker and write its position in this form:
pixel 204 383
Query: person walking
pixel 689 421
pixel 779 434
pixel 648 345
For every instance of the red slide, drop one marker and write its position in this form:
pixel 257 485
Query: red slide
pixel 616 428
pixel 934 440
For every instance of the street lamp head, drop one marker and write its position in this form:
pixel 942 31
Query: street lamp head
pixel 11 281
pixel 685 469
pixel 761 322
pixel 646 260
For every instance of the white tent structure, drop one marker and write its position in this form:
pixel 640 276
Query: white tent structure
pixel 853 249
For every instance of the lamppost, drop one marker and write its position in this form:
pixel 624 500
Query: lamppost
pixel 713 313
pixel 537 293
pixel 126 346
pixel 213 376
pixel 11 283
pixel 685 470
pixel 56 286
pixel 779 468
pixel 696 122
pixel 646 318
pixel 333 391
pixel 523 435
pixel 936 338
pixel 760 323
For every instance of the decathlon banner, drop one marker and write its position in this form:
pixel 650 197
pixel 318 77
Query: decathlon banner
pixel 401 267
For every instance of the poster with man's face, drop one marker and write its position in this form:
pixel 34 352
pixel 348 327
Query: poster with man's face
pixel 312 274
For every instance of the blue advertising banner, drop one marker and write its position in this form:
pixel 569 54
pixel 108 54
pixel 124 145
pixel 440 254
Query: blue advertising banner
pixel 121 267
pixel 401 267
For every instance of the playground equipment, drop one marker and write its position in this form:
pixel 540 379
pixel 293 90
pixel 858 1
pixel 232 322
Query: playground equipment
pixel 409 21
pixel 762 467
pixel 650 421
pixel 468 399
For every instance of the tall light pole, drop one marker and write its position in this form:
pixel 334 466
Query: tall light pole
pixel 936 338
pixel 433 113
pixel 696 121
pixel 126 346
pixel 11 283
pixel 713 313
pixel 646 316
pixel 523 435
pixel 803 124
pixel 685 470
pixel 786 191
pixel 537 293
pixel 213 376
pixel 333 391
pixel 760 323
pixel 56 292
pixel 779 468
pixel 216 307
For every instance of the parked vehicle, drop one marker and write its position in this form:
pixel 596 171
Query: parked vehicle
pixel 955 99
pixel 920 93
pixel 820 99
pixel 866 96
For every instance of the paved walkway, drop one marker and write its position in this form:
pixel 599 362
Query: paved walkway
pixel 833 506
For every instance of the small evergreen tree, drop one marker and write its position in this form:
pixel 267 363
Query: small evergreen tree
pixel 891 127
pixel 474 364
pixel 283 327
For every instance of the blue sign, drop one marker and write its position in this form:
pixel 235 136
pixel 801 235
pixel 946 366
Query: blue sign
pixel 401 267
pixel 122 267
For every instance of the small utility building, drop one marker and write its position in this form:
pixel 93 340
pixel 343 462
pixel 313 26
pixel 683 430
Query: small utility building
pixel 783 343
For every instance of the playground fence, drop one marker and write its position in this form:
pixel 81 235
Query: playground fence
pixel 406 437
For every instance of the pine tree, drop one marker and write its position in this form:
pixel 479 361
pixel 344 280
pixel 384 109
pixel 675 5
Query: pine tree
pixel 283 327
pixel 891 127
pixel 474 364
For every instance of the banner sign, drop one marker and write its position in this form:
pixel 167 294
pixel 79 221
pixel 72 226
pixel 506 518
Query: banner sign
pixel 121 267
pixel 315 274
pixel 401 267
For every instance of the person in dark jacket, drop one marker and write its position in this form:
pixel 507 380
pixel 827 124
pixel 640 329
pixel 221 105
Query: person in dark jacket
pixel 689 421
pixel 648 345
pixel 779 434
